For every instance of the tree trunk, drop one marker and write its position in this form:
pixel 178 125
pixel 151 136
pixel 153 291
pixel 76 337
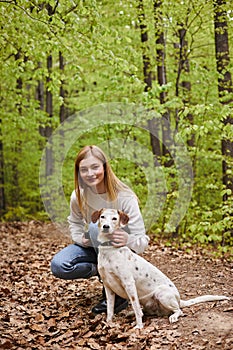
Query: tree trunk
pixel 144 40
pixel 160 49
pixel 162 77
pixel 49 103
pixel 224 85
pixel 15 188
pixel 183 66
pixel 40 98
pixel 225 96
pixel 48 127
pixel 2 183
pixel 63 111
pixel 153 124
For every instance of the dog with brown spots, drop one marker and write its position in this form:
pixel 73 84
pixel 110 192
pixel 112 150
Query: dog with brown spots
pixel 130 276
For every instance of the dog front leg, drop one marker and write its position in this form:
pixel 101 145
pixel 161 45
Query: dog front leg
pixel 110 295
pixel 131 291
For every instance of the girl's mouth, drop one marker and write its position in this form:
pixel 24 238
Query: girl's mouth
pixel 91 179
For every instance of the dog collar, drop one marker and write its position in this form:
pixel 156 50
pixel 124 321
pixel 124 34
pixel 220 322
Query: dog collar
pixel 106 244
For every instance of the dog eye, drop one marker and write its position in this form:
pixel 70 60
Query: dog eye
pixel 102 216
pixel 114 219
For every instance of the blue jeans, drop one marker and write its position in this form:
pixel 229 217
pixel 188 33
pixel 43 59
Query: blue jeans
pixel 75 261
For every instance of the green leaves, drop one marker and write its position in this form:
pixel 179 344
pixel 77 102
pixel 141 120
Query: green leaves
pixel 102 50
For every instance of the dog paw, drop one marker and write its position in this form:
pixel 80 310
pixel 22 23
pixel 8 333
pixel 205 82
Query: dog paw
pixel 138 326
pixel 173 319
pixel 111 324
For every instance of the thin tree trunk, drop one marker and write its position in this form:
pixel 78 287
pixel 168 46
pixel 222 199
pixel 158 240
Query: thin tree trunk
pixel 49 103
pixel 17 148
pixel 183 66
pixel 224 85
pixel 225 91
pixel 63 110
pixel 147 73
pixel 161 75
pixel 40 98
pixel 48 127
pixel 63 113
pixel 160 49
pixel 2 183
pixel 153 124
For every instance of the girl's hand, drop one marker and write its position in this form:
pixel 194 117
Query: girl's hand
pixel 119 238
pixel 86 242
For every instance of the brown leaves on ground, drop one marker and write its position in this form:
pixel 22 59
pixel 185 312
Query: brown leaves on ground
pixel 39 311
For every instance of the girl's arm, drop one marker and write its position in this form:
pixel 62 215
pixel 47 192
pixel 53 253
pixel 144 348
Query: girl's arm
pixel 137 238
pixel 75 220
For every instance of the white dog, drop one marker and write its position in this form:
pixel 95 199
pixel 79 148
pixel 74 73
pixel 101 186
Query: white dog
pixel 130 276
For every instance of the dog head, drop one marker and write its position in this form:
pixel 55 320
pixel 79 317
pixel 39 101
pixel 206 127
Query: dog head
pixel 109 219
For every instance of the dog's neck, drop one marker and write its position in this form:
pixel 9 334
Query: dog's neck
pixel 104 241
pixel 106 244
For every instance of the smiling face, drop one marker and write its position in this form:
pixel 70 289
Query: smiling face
pixel 91 170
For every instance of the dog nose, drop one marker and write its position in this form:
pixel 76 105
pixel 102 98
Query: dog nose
pixel 106 226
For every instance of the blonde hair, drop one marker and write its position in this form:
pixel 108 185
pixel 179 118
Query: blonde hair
pixel 113 185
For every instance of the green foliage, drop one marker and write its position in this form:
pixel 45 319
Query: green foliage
pixel 101 46
pixel 22 214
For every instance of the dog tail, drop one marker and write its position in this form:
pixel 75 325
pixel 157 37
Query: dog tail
pixel 202 299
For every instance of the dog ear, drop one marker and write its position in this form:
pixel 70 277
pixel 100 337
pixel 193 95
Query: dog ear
pixel 95 215
pixel 123 217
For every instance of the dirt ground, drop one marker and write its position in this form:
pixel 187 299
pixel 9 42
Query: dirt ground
pixel 39 311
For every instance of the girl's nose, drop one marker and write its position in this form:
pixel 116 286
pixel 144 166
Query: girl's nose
pixel 90 172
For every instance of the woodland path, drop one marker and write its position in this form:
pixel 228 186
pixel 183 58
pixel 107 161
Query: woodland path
pixel 39 311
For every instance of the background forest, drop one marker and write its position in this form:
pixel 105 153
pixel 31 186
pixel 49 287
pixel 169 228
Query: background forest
pixel 171 58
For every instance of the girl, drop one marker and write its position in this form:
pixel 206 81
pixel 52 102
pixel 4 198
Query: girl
pixel 97 187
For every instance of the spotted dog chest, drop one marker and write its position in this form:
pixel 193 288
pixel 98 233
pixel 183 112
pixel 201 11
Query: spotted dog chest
pixel 114 263
pixel 113 268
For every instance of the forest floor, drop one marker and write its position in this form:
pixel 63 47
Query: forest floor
pixel 39 311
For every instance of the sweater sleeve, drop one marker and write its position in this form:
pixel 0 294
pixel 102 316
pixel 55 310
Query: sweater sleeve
pixel 75 220
pixel 138 240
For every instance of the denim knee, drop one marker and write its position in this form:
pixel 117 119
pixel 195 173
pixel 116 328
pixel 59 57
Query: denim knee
pixel 74 262
pixel 67 271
